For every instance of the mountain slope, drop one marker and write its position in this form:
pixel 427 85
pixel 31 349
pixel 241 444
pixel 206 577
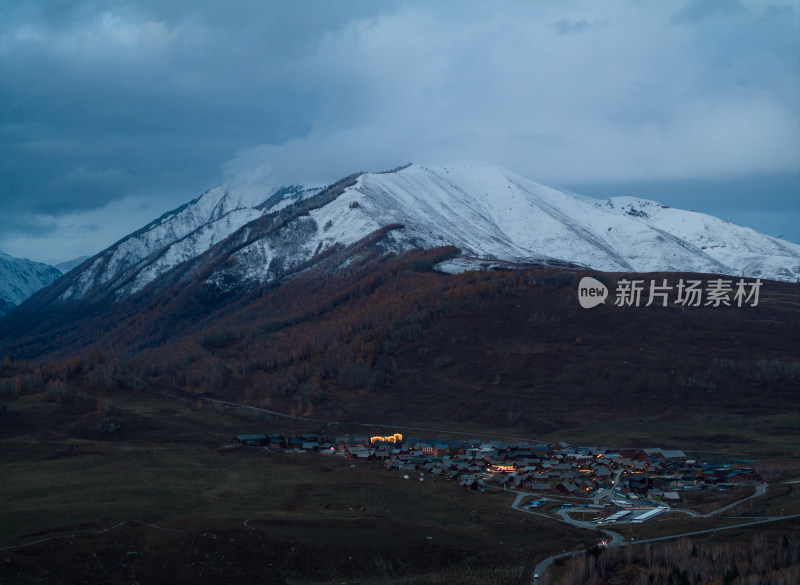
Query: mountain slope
pixel 65 267
pixel 743 250
pixel 20 278
pixel 491 211
pixel 483 211
pixel 233 240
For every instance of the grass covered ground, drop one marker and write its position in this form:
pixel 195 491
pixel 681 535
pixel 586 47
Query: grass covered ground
pixel 275 517
pixel 160 498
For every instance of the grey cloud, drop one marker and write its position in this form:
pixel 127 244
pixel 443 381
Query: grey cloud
pixel 698 10
pixel 98 86
pixel 774 11
pixel 83 188
pixel 577 26
pixel 23 224
pixel 648 106
pixel 766 203
pixel 779 192
pixel 106 103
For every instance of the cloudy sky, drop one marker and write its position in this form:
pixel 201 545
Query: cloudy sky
pixel 112 113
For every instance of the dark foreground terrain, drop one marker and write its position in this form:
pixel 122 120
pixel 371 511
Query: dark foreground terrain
pixel 176 511
pixel 113 466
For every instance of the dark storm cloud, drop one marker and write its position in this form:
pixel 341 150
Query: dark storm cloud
pixel 103 101
pixel 97 98
pixel 115 112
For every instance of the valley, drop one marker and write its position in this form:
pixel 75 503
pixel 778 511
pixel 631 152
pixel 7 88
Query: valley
pixel 416 302
pixel 107 456
pixel 400 293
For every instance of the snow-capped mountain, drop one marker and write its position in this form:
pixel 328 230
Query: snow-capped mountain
pixel 65 267
pixel 742 251
pixel 20 278
pixel 264 234
pixel 177 236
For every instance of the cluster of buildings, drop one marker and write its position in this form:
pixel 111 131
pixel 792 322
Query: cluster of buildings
pixel 558 468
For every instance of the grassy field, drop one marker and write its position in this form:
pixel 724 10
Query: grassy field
pixel 311 517
pixel 44 491
pixel 768 436
pixel 249 515
pixel 319 503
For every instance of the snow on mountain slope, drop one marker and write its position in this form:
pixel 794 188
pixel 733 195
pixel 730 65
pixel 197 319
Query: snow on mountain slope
pixel 65 267
pixel 492 212
pixel 175 237
pixel 20 278
pixel 746 251
pixel 485 211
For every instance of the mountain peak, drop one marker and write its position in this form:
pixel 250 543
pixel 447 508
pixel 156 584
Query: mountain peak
pixel 256 233
pixel 20 278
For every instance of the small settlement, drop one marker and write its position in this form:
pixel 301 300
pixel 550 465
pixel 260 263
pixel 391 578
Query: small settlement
pixel 555 469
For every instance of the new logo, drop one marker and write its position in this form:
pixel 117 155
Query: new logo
pixel 591 292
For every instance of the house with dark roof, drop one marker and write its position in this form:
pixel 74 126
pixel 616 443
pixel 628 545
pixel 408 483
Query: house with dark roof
pixel 640 485
pixel 255 440
pixel 634 454
pixel 566 488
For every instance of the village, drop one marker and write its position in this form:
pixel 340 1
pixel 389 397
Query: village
pixel 618 485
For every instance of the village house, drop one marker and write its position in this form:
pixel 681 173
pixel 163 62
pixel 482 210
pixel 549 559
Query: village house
pixel 634 454
pixel 602 473
pixel 254 440
pixel 640 484
pixel 360 452
pixel 737 476
pixel 541 450
pixel 440 450
pixel 567 488
pixel 540 467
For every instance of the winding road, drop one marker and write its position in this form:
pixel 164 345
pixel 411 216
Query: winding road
pixel 616 539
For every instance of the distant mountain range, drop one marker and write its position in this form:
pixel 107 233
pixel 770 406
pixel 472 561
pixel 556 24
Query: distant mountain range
pixel 65 267
pixel 20 278
pixel 234 237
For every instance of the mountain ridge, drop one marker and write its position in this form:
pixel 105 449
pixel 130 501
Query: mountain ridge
pixel 240 237
pixel 482 210
pixel 20 278
pixel 67 266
